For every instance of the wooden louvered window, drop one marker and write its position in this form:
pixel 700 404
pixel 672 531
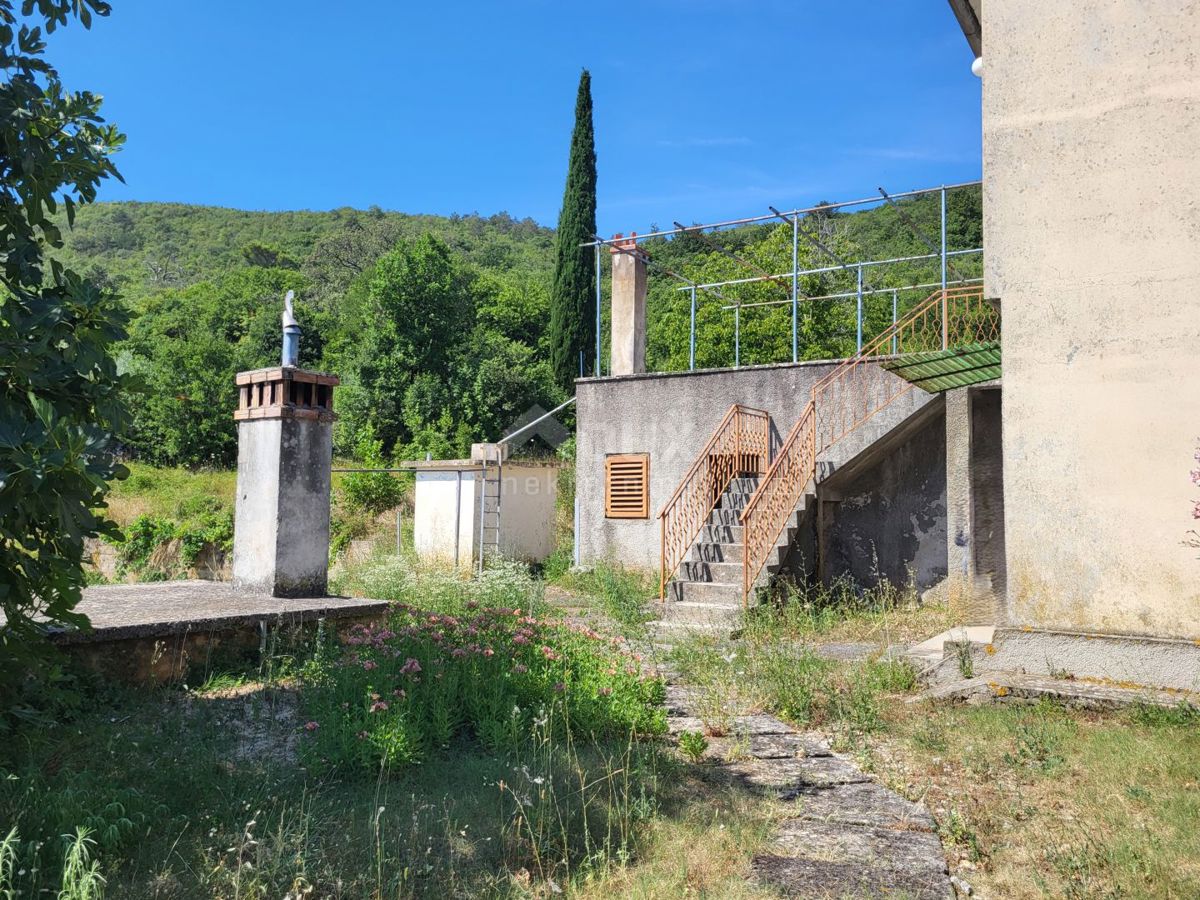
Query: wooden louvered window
pixel 627 486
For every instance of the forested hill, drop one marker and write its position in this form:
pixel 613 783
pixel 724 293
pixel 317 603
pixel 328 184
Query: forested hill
pixel 141 248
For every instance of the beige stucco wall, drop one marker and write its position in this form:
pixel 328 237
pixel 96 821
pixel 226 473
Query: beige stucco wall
pixel 528 494
pixel 1091 144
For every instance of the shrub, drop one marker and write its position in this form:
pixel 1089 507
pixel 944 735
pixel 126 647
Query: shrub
pixel 693 744
pixel 403 689
pixel 371 492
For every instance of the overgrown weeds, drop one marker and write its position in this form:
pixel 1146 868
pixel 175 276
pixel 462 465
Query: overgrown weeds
pixel 791 680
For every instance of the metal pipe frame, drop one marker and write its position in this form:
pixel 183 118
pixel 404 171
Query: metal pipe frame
pixel 749 220
pixel 838 268
pixel 848 294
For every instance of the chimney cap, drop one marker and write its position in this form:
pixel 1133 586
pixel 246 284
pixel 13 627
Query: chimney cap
pixel 627 245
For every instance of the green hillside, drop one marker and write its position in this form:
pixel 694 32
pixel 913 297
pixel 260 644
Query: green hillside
pixel 142 248
pixel 439 325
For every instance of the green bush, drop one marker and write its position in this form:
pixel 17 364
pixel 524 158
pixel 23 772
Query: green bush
pixel 693 744
pixel 372 492
pixel 401 690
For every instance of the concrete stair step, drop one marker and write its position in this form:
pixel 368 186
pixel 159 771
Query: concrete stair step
pixel 665 631
pixel 714 551
pixel 721 534
pixel 700 614
pixel 722 516
pixel 744 485
pixel 704 592
pixel 721 572
pixel 734 501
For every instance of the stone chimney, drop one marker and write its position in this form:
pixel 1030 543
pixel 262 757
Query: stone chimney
pixel 285 451
pixel 628 306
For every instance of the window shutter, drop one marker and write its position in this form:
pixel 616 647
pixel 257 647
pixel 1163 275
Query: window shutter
pixel 627 486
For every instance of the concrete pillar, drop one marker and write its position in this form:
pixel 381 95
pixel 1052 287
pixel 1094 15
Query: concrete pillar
pixel 958 500
pixel 628 307
pixel 975 581
pixel 285 452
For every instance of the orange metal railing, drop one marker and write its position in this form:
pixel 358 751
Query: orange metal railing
pixel 848 397
pixel 859 388
pixel 740 445
pixel 768 511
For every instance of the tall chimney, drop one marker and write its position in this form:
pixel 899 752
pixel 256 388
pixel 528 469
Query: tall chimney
pixel 285 452
pixel 628 306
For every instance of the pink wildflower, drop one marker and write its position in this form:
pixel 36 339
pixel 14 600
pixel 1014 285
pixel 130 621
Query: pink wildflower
pixel 605 691
pixel 519 638
pixel 559 688
pixel 379 706
pixel 410 667
pixel 520 669
pixel 370 664
pixel 311 726
pixel 488 651
pixel 399 692
pixel 362 735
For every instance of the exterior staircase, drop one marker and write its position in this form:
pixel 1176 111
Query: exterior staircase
pixel 707 592
pixel 731 523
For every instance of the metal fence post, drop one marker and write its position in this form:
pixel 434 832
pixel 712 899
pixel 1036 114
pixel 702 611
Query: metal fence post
pixel 894 307
pixel 860 311
pixel 737 335
pixel 795 278
pixel 945 311
pixel 692 334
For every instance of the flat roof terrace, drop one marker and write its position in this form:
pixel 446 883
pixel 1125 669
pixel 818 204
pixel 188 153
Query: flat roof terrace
pixel 156 631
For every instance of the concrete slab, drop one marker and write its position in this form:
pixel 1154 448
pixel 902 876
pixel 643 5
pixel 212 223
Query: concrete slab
pixel 1001 686
pixel 934 647
pixel 162 608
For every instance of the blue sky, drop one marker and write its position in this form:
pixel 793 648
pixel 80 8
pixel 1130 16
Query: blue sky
pixel 704 109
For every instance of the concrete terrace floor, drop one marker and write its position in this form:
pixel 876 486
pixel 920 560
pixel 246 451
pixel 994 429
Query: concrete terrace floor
pixel 162 608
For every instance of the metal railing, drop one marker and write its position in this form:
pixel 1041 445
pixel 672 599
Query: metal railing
pixel 859 388
pixel 848 397
pixel 768 511
pixel 740 445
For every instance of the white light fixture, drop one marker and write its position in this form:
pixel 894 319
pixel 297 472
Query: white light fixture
pixel 977 67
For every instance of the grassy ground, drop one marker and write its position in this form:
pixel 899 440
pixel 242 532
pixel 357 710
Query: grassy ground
pixel 1030 800
pixel 169 493
pixel 1040 801
pixel 201 791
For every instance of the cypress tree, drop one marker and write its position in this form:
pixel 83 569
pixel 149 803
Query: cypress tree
pixel 572 300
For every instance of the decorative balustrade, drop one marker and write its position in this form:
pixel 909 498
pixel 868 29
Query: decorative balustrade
pixel 740 445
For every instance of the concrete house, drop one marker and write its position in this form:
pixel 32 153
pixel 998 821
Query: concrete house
pixel 1043 481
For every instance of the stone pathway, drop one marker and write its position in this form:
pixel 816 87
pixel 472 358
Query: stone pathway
pixel 848 837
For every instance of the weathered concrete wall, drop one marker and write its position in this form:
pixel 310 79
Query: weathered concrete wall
pixel 885 519
pixel 256 520
pixel 528 495
pixel 987 493
pixel 1091 124
pixel 975 506
pixel 671 416
pixel 306 461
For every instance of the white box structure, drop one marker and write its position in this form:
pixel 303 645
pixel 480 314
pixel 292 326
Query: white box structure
pixel 453 518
